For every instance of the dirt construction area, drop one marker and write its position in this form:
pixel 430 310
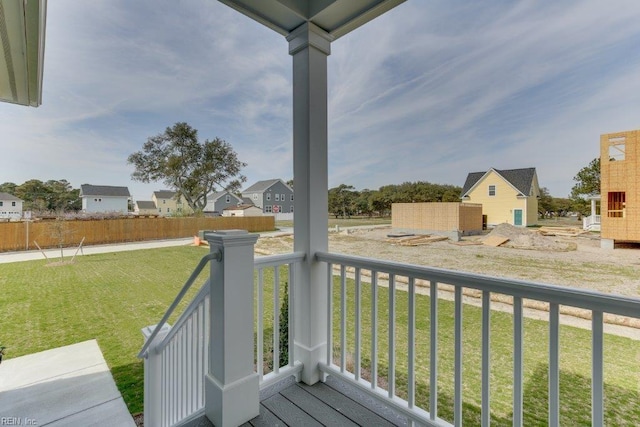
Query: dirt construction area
pixel 575 261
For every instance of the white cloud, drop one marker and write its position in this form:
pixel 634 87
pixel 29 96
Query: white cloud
pixel 428 91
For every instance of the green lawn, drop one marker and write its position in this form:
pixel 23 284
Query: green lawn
pixel 111 297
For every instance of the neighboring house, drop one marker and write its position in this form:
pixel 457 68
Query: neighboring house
pixel 273 196
pixel 619 188
pixel 10 206
pixel 509 196
pixel 242 210
pixel 218 202
pixel 145 207
pixel 104 198
pixel 168 204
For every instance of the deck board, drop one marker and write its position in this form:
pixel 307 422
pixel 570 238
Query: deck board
pixel 318 409
pixel 332 403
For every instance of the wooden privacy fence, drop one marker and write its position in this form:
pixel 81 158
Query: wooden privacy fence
pixel 19 236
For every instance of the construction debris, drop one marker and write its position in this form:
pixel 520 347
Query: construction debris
pixel 495 241
pixel 413 240
pixel 561 231
pixel 523 238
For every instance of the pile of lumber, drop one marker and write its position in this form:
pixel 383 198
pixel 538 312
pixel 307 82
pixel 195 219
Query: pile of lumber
pixel 423 239
pixel 561 231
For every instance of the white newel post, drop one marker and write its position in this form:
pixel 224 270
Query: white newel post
pixel 309 45
pixel 153 376
pixel 231 385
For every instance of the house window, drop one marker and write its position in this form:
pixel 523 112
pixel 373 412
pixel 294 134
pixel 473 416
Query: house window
pixel 168 209
pixel 617 148
pixel 291 209
pixel 164 202
pixel 268 196
pixel 615 204
pixel 492 190
pixel 13 203
pixel 1 203
pixel 227 199
pixel 292 197
pixel 160 210
pixel 282 197
pixel 255 197
pixel 277 197
pixel 267 209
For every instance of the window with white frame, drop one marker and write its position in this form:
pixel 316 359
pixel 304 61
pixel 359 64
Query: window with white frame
pixel 291 209
pixel 228 199
pixel 268 196
pixel 267 209
pixel 292 197
pixel 492 190
pixel 277 197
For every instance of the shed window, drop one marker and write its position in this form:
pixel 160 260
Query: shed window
pixel 492 190
pixel 615 204
pixel 228 199
pixel 617 148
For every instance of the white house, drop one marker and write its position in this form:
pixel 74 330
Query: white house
pixel 242 210
pixel 10 206
pixel 104 198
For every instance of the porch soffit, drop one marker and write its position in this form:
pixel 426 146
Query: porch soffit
pixel 336 17
pixel 22 34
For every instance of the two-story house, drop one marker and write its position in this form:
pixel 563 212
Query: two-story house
pixel 104 198
pixel 619 188
pixel 218 202
pixel 10 206
pixel 272 195
pixel 168 203
pixel 507 196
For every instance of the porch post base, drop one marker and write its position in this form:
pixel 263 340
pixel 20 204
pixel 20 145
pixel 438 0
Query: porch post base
pixel 310 357
pixel 233 404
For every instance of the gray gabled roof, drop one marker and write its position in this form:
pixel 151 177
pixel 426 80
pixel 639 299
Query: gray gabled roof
pixel 262 186
pixel 164 194
pixel 146 204
pixel 521 179
pixel 103 190
pixel 216 196
pixel 11 197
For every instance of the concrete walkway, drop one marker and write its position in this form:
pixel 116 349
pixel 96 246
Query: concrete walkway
pixel 66 386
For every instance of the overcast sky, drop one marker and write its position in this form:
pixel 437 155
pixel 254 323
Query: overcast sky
pixel 430 91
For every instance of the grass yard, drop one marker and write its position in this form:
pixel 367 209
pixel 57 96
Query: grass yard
pixel 110 297
pixel 622 372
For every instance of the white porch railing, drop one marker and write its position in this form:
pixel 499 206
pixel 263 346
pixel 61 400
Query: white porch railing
pixel 176 358
pixel 352 268
pixel 591 223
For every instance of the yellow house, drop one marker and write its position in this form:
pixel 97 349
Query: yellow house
pixel 167 204
pixel 509 196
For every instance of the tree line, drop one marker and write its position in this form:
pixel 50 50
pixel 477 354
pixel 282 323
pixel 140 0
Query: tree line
pixel 49 196
pixel 345 200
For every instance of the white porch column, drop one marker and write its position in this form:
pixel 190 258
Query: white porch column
pixel 593 207
pixel 309 45
pixel 231 385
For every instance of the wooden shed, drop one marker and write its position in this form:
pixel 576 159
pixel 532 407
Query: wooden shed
pixel 465 218
pixel 620 187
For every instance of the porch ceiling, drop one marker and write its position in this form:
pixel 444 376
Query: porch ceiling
pixel 22 28
pixel 336 17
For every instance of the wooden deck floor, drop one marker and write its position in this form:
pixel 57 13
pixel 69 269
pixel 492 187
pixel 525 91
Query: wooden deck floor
pixel 332 403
